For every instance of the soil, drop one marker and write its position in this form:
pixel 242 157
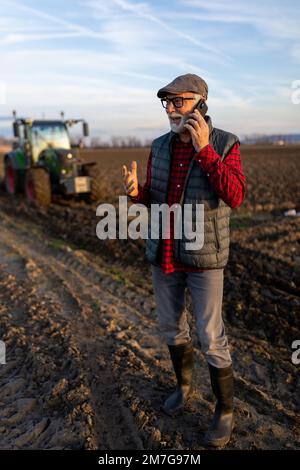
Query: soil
pixel 86 366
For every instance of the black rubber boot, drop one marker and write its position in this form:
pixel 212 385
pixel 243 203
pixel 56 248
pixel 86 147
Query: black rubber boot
pixel 219 432
pixel 182 357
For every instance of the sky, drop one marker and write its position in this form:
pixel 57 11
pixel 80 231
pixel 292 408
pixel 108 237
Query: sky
pixel 104 60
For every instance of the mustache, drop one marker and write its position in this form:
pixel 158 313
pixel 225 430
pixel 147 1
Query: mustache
pixel 175 115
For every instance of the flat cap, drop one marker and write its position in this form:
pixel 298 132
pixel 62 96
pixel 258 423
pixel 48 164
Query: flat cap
pixel 187 82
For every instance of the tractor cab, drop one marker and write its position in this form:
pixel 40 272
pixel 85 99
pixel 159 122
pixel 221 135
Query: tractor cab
pixel 48 135
pixel 35 136
pixel 43 161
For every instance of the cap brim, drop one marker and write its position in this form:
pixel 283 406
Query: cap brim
pixel 164 91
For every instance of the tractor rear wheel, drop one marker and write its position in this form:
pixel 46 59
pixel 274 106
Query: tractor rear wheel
pixel 37 187
pixel 11 178
pixel 97 190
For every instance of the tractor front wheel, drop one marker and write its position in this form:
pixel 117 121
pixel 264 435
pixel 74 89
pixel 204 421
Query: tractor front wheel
pixel 97 190
pixel 38 187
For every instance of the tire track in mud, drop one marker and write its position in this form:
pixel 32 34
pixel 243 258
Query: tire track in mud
pixel 109 375
pixel 71 307
pixel 61 276
pixel 261 276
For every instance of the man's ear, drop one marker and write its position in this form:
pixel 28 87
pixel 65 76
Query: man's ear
pixel 200 98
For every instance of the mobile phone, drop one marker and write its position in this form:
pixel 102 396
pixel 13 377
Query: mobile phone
pixel 202 107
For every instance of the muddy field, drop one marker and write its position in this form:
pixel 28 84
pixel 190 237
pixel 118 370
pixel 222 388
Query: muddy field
pixel 86 366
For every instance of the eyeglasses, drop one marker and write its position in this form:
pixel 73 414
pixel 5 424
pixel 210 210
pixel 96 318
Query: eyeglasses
pixel 177 101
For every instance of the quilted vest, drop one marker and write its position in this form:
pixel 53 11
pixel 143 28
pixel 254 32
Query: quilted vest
pixel 197 189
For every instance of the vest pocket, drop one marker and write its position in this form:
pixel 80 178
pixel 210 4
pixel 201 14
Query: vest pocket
pixel 218 246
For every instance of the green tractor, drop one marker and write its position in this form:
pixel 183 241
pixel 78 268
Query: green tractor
pixel 43 162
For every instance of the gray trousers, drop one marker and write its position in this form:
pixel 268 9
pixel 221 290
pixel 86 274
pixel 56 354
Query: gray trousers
pixel 206 289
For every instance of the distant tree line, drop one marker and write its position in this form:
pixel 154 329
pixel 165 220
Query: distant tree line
pixel 120 142
pixel 136 142
pixel 98 142
pixel 275 139
pixel 5 141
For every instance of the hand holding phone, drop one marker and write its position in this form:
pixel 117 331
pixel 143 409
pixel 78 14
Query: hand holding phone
pixel 198 127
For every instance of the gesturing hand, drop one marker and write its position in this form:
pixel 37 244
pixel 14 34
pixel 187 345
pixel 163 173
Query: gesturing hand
pixel 130 179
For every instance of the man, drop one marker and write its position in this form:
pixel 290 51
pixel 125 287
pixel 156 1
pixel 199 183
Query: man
pixel 194 163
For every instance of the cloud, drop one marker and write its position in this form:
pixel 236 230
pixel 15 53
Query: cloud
pixel 142 10
pixel 273 18
pixel 296 52
pixel 22 38
pixel 76 64
pixel 76 28
pixel 106 60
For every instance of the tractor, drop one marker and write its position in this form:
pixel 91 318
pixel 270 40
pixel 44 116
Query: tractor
pixel 43 162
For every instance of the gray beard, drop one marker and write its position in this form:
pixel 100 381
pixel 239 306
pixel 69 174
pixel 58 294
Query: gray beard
pixel 178 128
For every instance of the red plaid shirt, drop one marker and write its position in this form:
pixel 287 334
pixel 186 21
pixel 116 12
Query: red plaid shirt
pixel 226 177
